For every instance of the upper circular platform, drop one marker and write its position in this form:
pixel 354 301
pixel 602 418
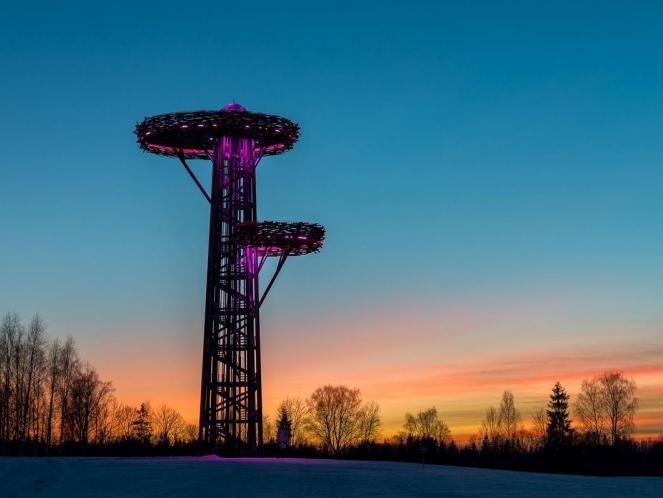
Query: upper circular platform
pixel 274 238
pixel 192 133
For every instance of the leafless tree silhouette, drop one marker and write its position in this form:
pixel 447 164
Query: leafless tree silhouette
pixel 427 424
pixel 509 416
pixel 368 422
pixel 333 413
pixel 168 425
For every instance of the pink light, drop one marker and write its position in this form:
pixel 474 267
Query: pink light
pixel 233 107
pixel 268 249
pixel 184 126
pixel 302 237
pixel 275 147
pixel 249 260
pixel 171 150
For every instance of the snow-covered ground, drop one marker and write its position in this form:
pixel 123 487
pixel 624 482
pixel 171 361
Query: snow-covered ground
pixel 217 477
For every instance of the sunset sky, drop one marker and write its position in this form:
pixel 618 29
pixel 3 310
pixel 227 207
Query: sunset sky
pixel 490 177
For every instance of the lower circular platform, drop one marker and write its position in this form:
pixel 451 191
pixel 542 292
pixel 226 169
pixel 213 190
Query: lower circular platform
pixel 277 238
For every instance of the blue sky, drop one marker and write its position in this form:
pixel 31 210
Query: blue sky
pixel 465 154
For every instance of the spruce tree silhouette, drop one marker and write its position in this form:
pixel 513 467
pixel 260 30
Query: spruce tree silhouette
pixel 142 424
pixel 559 432
pixel 283 420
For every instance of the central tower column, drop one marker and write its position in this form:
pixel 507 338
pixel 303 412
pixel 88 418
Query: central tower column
pixel 231 404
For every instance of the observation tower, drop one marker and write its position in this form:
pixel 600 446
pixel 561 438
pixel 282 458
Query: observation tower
pixel 234 140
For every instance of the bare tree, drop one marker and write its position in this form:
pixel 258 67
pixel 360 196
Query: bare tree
pixel 103 421
pixel 168 424
pixel 21 376
pixel 620 404
pixel 491 427
pixel 333 416
pixel 34 362
pixel 88 394
pixel 590 411
pixel 123 418
pixel 9 335
pixel 509 416
pixel 53 371
pixel 190 433
pixel 427 425
pixel 18 357
pixel 69 365
pixel 296 409
pixel 539 426
pixel 368 422
pixel 268 432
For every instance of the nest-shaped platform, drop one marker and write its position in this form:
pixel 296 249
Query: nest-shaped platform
pixel 192 134
pixel 276 238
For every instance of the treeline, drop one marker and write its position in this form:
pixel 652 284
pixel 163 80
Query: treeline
pixel 332 421
pixel 54 402
pixel 604 412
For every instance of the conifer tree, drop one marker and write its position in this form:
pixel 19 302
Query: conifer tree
pixel 558 432
pixel 142 424
pixel 283 421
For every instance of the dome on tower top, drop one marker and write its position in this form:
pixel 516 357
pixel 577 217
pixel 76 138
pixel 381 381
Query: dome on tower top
pixel 233 107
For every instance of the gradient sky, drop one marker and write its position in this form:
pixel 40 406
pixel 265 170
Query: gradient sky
pixel 490 176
